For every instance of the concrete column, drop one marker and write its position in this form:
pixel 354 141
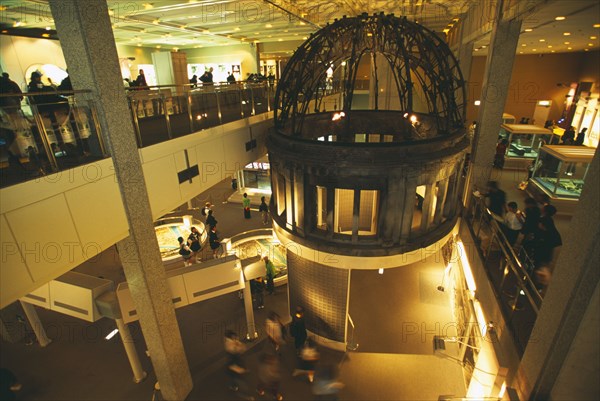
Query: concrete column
pixel 426 215
pixel 138 372
pixel 441 201
pixel 85 33
pixel 562 353
pixel 391 219
pixel 252 333
pixel 36 324
pixel 496 80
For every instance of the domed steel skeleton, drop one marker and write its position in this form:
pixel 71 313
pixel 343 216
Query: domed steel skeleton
pixel 418 58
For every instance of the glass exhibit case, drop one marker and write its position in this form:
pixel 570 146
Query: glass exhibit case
pixel 560 171
pixel 524 140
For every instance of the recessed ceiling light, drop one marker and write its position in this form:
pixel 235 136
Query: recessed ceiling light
pixel 528 30
pixel 542 40
pixel 535 50
pixel 268 26
pixel 302 23
pixel 587 50
pixel 566 33
pixel 567 43
pixel 483 47
pixel 158 46
pixel 206 31
pixel 139 45
pixel 596 25
pixel 257 33
pixel 304 37
pixel 552 51
pixel 560 18
pixel 45 35
pixel 549 46
pixel 590 44
pixel 520 52
pixel 280 40
pixel 524 45
pixel 477 49
pixel 593 37
pixel 569 48
pixel 237 28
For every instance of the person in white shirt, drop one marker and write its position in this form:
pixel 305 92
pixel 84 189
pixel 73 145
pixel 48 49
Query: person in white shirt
pixel 513 222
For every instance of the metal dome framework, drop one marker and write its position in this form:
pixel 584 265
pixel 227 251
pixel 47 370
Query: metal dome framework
pixel 418 58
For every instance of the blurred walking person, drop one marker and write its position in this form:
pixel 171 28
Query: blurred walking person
pixel 269 376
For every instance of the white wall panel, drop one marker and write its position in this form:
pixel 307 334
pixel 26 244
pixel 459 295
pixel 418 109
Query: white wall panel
pixel 47 237
pixel 13 270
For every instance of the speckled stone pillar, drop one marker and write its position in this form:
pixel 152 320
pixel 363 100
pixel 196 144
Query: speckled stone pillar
pixel 496 79
pixel 562 357
pixel 84 30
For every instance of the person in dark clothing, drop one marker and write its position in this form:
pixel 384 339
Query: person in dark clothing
pixel 298 329
pixel 547 238
pixel 210 220
pixel 230 78
pixel 580 137
pixel 194 80
pixel 532 214
pixel 501 148
pixel 264 211
pixel 141 80
pixel 7 87
pixel 568 138
pixel 194 241
pixel 207 77
pixel 497 198
pixel 257 288
pixel 213 241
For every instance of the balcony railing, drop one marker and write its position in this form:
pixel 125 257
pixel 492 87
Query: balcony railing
pixel 510 272
pixel 54 131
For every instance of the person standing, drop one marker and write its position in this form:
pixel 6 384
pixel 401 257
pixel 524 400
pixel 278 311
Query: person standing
pixel 7 87
pixel 194 241
pixel 141 80
pixel 230 78
pixel 264 211
pixel 246 204
pixel 270 275
pixel 210 220
pixel 185 252
pixel 513 222
pixel 497 198
pixel 568 137
pixel 257 288
pixel 213 241
pixel 298 329
pixel 580 137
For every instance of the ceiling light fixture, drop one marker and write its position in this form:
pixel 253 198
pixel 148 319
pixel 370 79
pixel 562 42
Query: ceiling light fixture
pixel 48 28
pixel 523 45
pixel 560 18
pixel 567 43
pixel 206 31
pixel 593 37
pixel 45 35
pixel 542 40
pixel 528 30
pixel 590 44
pixel 596 25
pixel 148 6
pixel 268 26
pixel 569 48
pixel 566 33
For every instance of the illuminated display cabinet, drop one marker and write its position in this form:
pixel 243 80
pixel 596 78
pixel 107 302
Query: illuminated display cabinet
pixel 358 184
pixel 524 140
pixel 560 172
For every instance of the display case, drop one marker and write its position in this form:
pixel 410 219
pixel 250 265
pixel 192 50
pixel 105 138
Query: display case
pixel 560 173
pixel 524 140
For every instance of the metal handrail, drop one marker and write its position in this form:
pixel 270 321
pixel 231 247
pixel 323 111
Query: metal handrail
pixel 513 260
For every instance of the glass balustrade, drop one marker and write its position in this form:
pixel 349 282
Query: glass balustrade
pixel 44 134
pixel 517 287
